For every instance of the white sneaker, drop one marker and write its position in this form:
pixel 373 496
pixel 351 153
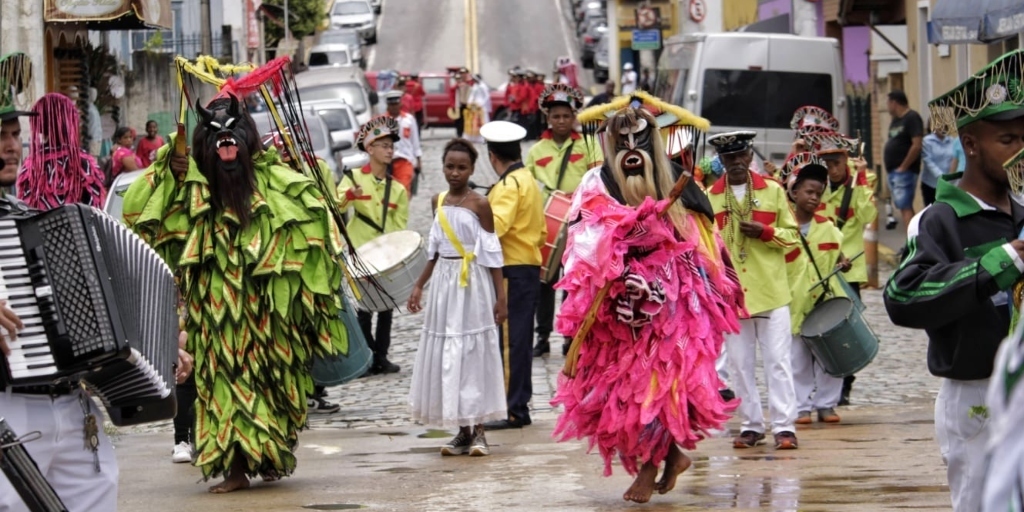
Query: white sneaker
pixel 182 453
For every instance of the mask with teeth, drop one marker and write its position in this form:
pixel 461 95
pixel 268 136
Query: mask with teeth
pixel 223 145
pixel 636 156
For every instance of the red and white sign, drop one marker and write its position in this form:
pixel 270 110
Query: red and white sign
pixel 698 9
pixel 252 24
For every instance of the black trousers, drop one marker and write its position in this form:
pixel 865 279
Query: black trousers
pixel 185 420
pixel 927 194
pixel 848 380
pixel 381 342
pixel 517 336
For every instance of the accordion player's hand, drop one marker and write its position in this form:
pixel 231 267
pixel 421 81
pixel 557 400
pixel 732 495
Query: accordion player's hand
pixel 10 322
pixel 184 366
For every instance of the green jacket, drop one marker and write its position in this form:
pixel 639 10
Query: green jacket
pixel 765 285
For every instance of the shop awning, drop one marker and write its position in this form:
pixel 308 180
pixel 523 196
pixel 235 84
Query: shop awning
pixel 980 21
pixel 111 14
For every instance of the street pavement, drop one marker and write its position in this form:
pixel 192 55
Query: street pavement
pixel 370 454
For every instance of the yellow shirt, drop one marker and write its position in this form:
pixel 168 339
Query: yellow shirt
pixel 862 212
pixel 764 287
pixel 371 206
pixel 545 160
pixel 824 240
pixel 518 216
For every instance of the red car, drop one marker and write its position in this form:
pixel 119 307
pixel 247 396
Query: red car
pixel 436 100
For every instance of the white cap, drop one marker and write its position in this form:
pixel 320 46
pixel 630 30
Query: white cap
pixel 502 131
pixel 393 96
pixel 628 65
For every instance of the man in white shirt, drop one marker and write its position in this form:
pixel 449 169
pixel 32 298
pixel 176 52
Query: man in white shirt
pixel 408 152
pixel 628 79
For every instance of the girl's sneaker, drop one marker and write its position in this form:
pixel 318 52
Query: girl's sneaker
pixel 479 447
pixel 459 445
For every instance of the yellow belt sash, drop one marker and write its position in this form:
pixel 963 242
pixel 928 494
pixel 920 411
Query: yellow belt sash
pixel 467 257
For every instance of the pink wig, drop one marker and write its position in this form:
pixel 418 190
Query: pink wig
pixel 57 171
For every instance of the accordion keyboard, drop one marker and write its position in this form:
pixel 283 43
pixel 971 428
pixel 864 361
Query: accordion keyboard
pixel 30 353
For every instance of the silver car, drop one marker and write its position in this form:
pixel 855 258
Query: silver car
pixel 341 121
pixel 345 36
pixel 355 14
pixel 339 84
pixel 323 146
pixel 330 55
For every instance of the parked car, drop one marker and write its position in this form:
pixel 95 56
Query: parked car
pixel 601 59
pixel 592 11
pixel 345 36
pixel 588 41
pixel 115 195
pixel 377 4
pixel 355 14
pixel 330 55
pixel 340 84
pixel 753 81
pixel 341 122
pixel 436 100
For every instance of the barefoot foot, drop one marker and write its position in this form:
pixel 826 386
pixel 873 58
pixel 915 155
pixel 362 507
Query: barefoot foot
pixel 643 486
pixel 231 483
pixel 675 463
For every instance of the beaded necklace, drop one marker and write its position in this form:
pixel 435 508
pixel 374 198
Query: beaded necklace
pixel 737 214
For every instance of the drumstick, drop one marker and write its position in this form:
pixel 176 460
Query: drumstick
pixel 588 321
pixel 834 272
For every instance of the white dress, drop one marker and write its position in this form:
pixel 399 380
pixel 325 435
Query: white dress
pixel 457 379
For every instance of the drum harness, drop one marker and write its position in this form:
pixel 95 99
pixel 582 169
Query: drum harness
pixel 844 209
pixel 387 197
pixel 564 164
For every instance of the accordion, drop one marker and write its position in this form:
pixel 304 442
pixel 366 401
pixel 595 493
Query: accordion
pixel 98 306
pixel 24 474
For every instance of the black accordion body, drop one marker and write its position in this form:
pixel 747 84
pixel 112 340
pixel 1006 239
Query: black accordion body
pixel 98 306
pixel 24 474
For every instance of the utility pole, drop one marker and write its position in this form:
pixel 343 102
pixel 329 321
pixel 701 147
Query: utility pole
pixel 287 30
pixel 205 33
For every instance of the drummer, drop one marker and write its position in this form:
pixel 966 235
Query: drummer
pixel 558 161
pixel 807 264
pixel 519 223
pixel 381 206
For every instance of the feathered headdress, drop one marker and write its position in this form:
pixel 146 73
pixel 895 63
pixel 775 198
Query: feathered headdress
pixel 801 162
pixel 811 117
pixel 560 94
pixel 376 128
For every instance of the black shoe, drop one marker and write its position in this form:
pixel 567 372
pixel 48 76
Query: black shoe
pixel 542 347
pixel 511 422
pixel 727 394
pixel 844 395
pixel 385 366
pixel 891 224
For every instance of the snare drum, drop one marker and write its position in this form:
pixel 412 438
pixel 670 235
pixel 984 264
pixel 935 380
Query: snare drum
pixel 556 215
pixel 396 261
pixel 839 337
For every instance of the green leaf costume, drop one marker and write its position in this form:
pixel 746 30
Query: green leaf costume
pixel 261 302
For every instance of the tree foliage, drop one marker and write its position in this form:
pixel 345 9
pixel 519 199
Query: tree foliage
pixel 305 16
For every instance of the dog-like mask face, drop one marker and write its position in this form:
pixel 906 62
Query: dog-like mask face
pixel 223 146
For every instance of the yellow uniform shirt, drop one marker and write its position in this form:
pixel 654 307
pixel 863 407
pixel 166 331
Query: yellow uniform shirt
pixel 545 160
pixel 764 286
pixel 518 216
pixel 862 212
pixel 824 240
pixel 370 208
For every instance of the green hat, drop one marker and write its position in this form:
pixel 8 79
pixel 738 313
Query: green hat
pixel 15 76
pixel 995 93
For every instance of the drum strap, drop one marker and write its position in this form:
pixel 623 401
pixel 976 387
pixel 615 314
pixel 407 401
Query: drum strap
pixel 564 164
pixel 467 257
pixel 824 284
pixel 844 207
pixel 384 214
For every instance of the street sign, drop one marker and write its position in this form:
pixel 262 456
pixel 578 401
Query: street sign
pixel 646 40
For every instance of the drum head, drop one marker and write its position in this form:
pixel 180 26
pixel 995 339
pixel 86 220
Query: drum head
pixel 388 250
pixel 826 316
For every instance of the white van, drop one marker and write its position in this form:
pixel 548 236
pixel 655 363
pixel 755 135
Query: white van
pixel 752 81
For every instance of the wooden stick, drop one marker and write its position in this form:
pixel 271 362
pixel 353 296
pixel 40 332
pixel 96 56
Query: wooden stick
pixel 180 144
pixel 588 321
